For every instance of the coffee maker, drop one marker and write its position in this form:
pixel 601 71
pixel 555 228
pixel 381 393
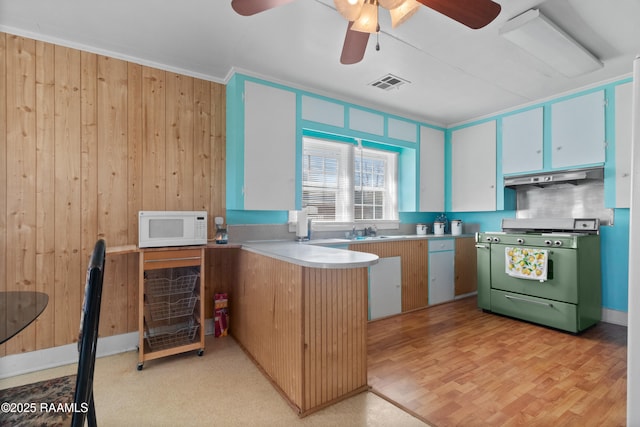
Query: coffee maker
pixel 221 231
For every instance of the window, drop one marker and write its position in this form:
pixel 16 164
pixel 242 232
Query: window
pixel 348 183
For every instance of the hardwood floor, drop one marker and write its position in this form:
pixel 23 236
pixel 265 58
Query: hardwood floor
pixel 454 365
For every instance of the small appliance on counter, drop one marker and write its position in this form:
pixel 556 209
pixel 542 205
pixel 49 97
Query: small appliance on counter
pixel 421 229
pixel 158 229
pixel 303 223
pixel 456 227
pixel 221 232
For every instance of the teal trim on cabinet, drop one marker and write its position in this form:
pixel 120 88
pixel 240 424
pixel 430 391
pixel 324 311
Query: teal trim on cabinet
pixel 235 142
pixel 407 180
pixel 241 217
pixel 447 170
pixel 614 251
pixel 546 137
pixel 610 149
pixel 500 190
pixel 299 133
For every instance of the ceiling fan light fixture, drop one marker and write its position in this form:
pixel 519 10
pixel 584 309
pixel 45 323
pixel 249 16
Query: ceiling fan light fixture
pixel 367 22
pixel 403 12
pixel 349 9
pixel 390 4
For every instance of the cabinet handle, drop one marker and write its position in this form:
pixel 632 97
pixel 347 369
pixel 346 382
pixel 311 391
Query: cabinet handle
pixel 546 304
pixel 482 246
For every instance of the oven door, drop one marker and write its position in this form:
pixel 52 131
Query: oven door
pixel 562 275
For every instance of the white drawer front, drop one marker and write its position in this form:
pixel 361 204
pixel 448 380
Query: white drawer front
pixel 440 244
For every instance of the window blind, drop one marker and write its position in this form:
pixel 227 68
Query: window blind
pixel 346 182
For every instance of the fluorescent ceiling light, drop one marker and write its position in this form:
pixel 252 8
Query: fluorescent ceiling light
pixel 534 33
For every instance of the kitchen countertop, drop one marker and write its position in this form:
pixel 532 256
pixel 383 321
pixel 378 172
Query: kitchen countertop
pixel 311 255
pixel 318 253
pixel 392 238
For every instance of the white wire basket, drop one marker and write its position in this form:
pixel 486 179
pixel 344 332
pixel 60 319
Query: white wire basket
pixel 162 337
pixel 178 281
pixel 170 306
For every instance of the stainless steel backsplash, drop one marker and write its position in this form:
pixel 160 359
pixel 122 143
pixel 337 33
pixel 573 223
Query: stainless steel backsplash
pixel 582 200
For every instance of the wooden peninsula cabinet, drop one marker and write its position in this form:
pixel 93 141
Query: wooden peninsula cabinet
pixel 171 302
pixel 300 312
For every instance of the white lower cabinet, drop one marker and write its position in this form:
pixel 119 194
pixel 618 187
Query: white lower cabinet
pixel 385 288
pixel 441 270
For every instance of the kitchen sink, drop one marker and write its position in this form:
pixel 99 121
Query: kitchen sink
pixel 381 237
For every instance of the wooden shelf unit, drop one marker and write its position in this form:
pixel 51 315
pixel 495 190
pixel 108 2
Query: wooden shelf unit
pixel 151 261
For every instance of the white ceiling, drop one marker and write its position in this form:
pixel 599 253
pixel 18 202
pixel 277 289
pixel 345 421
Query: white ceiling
pixel 456 73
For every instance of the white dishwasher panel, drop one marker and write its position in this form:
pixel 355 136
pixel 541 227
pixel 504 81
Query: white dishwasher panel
pixel 385 288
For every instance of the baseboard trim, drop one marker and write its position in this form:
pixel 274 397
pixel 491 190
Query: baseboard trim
pixel 615 316
pixel 24 363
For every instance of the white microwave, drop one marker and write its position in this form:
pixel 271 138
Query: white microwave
pixel 171 228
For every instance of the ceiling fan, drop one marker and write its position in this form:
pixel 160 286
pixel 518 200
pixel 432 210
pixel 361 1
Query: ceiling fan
pixel 363 16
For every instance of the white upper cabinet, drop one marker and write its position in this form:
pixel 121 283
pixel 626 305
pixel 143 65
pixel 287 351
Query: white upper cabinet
pixel 322 111
pixel 473 168
pixel 365 121
pixel 577 131
pixel 522 141
pixel 269 148
pixel 400 129
pixel 623 127
pixel 431 170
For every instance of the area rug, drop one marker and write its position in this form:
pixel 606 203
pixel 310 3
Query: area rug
pixel 45 403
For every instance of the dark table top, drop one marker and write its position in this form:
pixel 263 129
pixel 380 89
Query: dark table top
pixel 18 309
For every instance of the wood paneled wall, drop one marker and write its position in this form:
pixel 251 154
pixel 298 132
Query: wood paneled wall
pixel 86 141
pixel 414 267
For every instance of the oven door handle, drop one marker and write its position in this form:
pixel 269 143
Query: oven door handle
pixel 482 246
pixel 546 304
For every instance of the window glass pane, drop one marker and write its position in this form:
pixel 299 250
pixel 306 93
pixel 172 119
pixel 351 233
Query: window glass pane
pixel 346 183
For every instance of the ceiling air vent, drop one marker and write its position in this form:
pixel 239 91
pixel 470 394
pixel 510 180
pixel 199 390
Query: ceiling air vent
pixel 388 82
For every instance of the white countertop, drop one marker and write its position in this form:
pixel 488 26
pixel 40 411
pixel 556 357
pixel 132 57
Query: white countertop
pixel 310 255
pixel 319 253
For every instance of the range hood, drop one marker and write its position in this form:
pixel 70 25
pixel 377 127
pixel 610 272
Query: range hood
pixel 548 178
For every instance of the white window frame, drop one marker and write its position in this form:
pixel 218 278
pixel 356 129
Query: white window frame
pixel 345 207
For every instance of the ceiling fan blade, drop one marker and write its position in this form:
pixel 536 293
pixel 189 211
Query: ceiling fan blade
pixel 472 13
pixel 355 44
pixel 251 7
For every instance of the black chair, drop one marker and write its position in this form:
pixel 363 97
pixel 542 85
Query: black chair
pixel 61 390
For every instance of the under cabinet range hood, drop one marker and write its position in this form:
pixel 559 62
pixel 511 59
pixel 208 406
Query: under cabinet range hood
pixel 548 178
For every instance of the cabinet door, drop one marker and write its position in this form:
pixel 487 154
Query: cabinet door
pixel 269 148
pixel 441 280
pixel 431 170
pixel 465 266
pixel 522 137
pixel 577 131
pixel 623 145
pixel 385 288
pixel 483 265
pixel 473 168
